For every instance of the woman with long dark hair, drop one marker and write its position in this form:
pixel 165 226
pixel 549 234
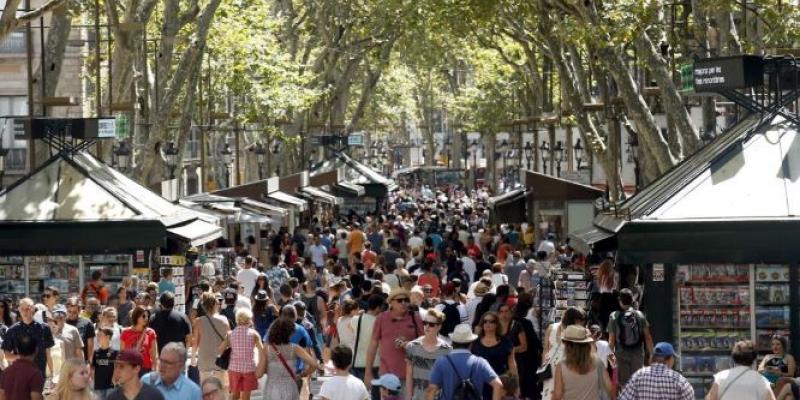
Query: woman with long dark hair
pixel 528 357
pixel 141 338
pixel 485 305
pixel 495 347
pixel 264 313
pixel 261 284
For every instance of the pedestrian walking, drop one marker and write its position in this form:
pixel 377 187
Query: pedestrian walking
pixel 243 340
pixel 171 379
pixel 742 381
pixel 494 346
pixel 278 360
pixel 212 389
pixel 209 332
pixel 141 339
pixel 580 375
pixel 343 385
pixel 392 330
pixel 553 347
pixel 462 372
pixel 74 382
pixel 127 370
pixel 170 325
pixel 37 332
pixel 422 353
pixel 84 325
pixel 103 363
pixel 108 319
pixel 629 337
pixel 23 379
pixel 659 381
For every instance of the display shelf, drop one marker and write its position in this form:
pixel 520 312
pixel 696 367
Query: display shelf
pixel 714 328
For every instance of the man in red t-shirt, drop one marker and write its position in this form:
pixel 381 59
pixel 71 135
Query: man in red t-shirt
pixel 392 330
pixel 95 288
pixel 23 379
pixel 368 257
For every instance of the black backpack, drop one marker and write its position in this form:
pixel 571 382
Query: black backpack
pixel 629 329
pixel 465 389
pixel 452 317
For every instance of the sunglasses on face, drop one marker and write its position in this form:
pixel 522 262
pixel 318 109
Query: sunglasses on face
pixel 402 300
pixel 431 324
pixel 490 321
pixel 46 296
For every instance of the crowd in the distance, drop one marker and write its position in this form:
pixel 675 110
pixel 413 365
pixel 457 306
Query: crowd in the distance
pixel 426 300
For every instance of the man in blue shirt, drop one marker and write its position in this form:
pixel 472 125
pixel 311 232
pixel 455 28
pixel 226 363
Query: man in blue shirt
pixel 170 379
pixel 300 336
pixel 459 365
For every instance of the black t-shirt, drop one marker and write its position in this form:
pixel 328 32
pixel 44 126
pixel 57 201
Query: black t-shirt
pixel 86 329
pixel 147 392
pixel 103 364
pixel 170 326
pixel 40 332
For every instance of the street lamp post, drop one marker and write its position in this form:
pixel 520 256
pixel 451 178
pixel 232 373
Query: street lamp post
pixel 544 153
pixel 528 154
pixel 227 159
pixel 123 156
pixel 503 151
pixel 578 150
pixel 171 159
pixel 261 156
pixel 558 151
pixel 275 148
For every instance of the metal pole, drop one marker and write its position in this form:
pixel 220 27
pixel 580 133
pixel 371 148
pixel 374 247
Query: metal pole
pixel 29 66
pixel 237 133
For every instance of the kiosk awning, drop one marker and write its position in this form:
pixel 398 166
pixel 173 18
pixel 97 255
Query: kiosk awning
pixel 288 199
pixel 347 187
pixel 592 239
pixel 196 232
pixel 321 195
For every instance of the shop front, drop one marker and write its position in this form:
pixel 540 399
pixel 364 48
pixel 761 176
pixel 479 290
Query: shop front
pixel 75 215
pixel 559 206
pixel 363 190
pixel 720 236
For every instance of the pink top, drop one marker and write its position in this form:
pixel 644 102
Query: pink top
pixel 242 346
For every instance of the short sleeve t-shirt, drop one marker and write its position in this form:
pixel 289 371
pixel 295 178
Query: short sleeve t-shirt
pixel 103 364
pixel 38 331
pixel 146 393
pixel 613 325
pixel 71 340
pixel 21 379
pixel 422 361
pixel 344 388
pixel 86 328
pixel 387 329
pixel 446 378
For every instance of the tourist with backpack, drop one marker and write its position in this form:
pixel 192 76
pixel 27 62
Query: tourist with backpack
pixel 423 352
pixel 628 334
pixel 461 375
pixel 454 312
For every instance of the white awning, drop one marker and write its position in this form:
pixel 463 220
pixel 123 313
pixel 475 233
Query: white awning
pixel 289 199
pixel 197 232
pixel 247 217
pixel 321 195
pixel 356 190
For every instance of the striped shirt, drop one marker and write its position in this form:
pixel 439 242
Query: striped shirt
pixel 242 346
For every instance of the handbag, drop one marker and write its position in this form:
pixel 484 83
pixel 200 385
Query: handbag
pixel 297 380
pixel 545 372
pixel 224 359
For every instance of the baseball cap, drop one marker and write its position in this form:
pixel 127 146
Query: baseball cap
pixel 230 296
pixel 664 349
pixel 59 309
pixel 129 356
pixel 388 381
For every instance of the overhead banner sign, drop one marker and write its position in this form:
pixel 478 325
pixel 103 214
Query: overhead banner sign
pixel 726 73
pixel 355 139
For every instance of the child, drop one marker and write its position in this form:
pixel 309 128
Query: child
pixel 103 363
pixel 390 386
pixel 510 387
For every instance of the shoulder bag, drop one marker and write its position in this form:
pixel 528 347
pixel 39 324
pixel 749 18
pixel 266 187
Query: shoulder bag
pixel 358 337
pixel 298 380
pixel 545 372
pixel 731 384
pixel 224 359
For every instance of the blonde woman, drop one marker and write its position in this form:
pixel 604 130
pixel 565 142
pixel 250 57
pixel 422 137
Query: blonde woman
pixel 422 353
pixel 581 375
pixel 108 319
pixel 74 382
pixel 242 341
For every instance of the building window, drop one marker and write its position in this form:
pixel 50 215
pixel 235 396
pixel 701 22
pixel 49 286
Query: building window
pixel 11 107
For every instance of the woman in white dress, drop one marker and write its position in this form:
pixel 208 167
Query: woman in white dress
pixel 553 352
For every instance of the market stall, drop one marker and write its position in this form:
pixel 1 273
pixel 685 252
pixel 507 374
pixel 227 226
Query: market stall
pixel 559 206
pixel 75 215
pixel 720 235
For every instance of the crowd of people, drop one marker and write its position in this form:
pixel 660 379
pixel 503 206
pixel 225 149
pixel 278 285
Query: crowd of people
pixel 425 300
